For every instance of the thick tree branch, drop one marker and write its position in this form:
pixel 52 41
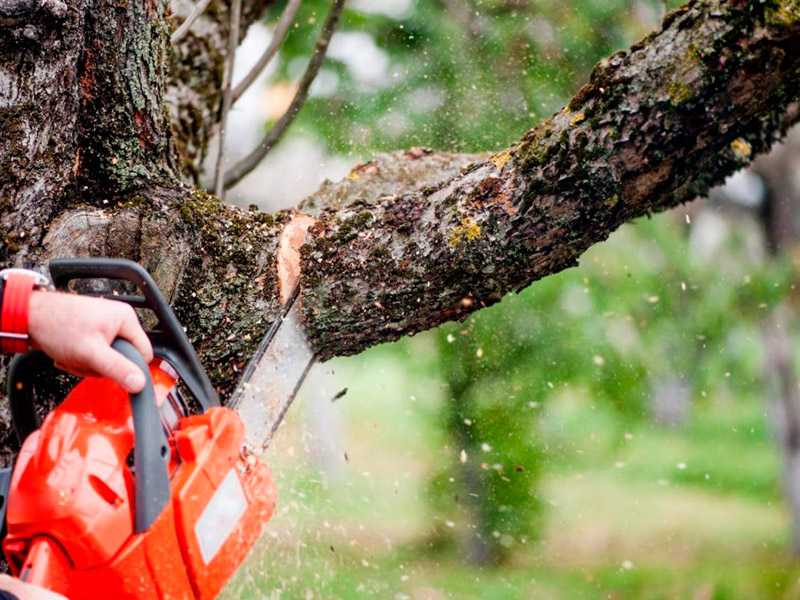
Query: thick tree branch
pixel 653 128
pixel 391 174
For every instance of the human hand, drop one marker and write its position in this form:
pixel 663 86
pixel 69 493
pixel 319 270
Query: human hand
pixel 77 331
pixel 11 588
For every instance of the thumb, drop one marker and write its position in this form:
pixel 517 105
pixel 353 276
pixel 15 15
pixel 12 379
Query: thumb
pixel 109 363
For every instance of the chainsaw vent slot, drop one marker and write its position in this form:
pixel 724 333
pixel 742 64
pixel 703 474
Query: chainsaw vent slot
pixel 105 492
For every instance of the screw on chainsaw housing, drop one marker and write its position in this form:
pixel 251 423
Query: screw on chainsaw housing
pixel 248 456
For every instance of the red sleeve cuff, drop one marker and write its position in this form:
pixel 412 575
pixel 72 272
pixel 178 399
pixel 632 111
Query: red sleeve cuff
pixel 14 312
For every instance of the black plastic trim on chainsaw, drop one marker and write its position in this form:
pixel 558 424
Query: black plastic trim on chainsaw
pixel 150 448
pixel 22 372
pixel 169 341
pixel 5 484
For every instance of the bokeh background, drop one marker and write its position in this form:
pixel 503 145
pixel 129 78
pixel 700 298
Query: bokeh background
pixel 629 428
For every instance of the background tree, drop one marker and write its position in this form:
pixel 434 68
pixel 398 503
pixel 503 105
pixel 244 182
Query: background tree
pixel 451 69
pixel 612 335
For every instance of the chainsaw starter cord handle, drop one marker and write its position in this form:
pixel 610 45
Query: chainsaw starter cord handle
pixel 150 448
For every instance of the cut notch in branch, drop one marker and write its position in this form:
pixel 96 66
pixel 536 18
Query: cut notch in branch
pixel 184 27
pixel 279 35
pixel 233 44
pixel 274 135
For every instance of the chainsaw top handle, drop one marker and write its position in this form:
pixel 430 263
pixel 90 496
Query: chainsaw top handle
pixel 169 340
pixel 150 450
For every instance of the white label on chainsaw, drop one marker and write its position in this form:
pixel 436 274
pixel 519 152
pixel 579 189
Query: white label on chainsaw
pixel 220 516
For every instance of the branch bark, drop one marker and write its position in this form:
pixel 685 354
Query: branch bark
pixel 653 128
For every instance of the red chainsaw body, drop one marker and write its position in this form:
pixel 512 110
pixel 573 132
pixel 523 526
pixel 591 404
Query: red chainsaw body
pixel 71 502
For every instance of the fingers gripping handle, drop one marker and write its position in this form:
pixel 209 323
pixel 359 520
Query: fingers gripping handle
pixel 150 450
pixel 169 341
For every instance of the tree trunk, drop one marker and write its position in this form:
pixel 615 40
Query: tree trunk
pixel 105 123
pixel 778 346
pixel 781 222
pixel 476 544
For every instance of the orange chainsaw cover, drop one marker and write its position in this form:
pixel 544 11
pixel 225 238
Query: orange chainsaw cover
pixel 70 510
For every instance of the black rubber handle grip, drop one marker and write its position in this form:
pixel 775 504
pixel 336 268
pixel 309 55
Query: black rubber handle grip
pixel 150 448
pixel 22 372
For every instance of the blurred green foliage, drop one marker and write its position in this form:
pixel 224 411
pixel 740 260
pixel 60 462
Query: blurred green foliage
pixel 629 319
pixel 470 75
pixel 459 75
pixel 487 493
pixel 624 508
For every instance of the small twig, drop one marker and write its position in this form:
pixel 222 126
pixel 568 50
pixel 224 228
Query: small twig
pixel 181 31
pixel 281 29
pixel 227 78
pixel 273 136
pixel 662 11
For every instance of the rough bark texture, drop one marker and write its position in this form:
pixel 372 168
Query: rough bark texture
pixel 93 166
pixel 39 114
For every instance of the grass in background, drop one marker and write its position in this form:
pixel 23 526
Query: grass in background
pixel 662 513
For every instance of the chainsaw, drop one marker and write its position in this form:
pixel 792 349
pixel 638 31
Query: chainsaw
pixel 154 495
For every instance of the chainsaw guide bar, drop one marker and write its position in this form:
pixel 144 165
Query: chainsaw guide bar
pixel 273 376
